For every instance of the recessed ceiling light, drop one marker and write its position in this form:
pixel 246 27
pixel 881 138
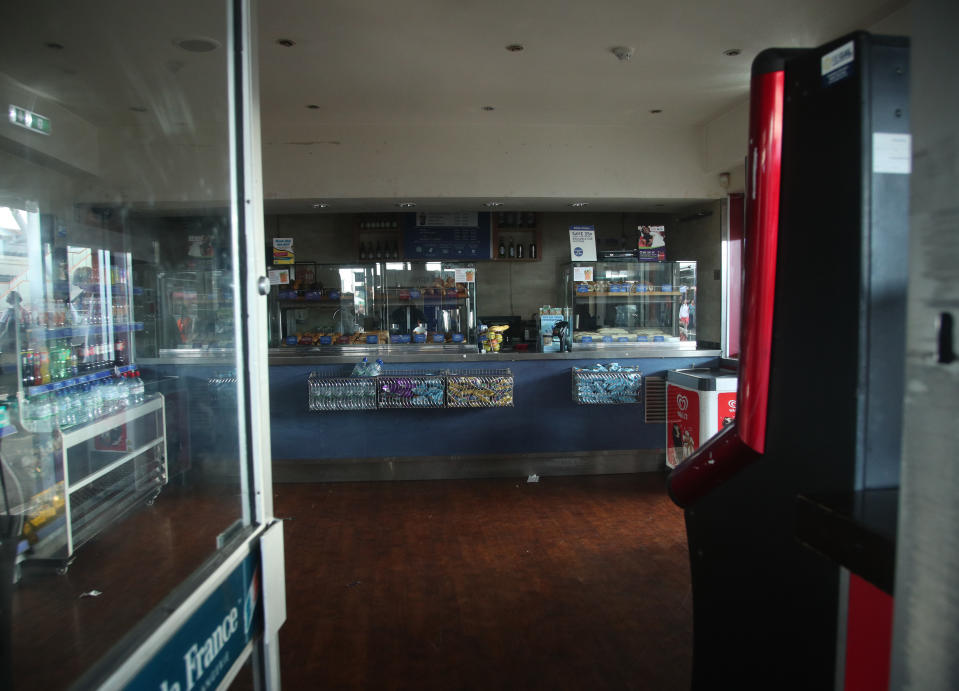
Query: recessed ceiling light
pixel 492 205
pixel 313 106
pixel 489 108
pixel 321 205
pixel 196 44
pixel 286 42
pixel 732 52
pixel 53 45
pixel 579 204
pixel 138 109
pixel 622 53
pixel 406 205
pixel 656 111
pixel 515 47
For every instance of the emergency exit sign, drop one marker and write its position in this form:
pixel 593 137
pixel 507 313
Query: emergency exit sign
pixel 29 120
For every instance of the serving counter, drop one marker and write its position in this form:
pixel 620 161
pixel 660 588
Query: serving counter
pixel 545 431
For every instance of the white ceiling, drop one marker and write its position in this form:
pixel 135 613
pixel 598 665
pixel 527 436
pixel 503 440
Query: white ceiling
pixel 418 62
pixel 441 61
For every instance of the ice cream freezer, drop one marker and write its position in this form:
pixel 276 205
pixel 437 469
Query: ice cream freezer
pixel 699 403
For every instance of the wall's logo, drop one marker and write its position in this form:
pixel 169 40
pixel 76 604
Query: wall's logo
pixel 578 251
pixel 732 405
pixel 682 402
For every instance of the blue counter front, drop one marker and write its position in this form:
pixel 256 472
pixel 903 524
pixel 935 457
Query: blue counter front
pixel 543 422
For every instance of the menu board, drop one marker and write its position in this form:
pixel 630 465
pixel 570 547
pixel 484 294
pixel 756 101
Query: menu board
pixel 447 243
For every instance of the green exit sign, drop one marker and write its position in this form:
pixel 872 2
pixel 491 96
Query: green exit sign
pixel 29 120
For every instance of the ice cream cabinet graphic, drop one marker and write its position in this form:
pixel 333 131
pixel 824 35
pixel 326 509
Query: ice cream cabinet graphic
pixel 700 402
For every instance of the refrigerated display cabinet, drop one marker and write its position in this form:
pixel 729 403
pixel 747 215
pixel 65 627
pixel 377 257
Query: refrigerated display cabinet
pixel 617 303
pixel 81 442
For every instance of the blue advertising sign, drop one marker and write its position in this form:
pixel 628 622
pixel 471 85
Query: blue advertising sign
pixel 198 656
pixel 447 243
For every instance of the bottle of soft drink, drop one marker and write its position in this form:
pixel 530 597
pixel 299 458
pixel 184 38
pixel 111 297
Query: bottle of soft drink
pixel 137 391
pixel 26 366
pixel 95 400
pixel 121 387
pixel 44 365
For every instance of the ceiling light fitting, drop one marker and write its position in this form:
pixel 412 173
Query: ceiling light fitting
pixel 312 106
pixel 406 205
pixel 515 47
pixel 732 52
pixel 489 108
pixel 622 53
pixel 492 205
pixel 53 45
pixel 579 205
pixel 286 42
pixel 196 44
pixel 656 111
pixel 138 109
pixel 321 205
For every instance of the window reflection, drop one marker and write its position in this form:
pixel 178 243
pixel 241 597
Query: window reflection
pixel 119 444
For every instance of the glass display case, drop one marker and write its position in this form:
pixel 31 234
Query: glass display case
pixel 404 304
pixel 617 303
pixel 195 311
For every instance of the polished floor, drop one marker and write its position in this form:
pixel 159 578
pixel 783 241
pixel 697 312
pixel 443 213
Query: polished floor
pixel 570 583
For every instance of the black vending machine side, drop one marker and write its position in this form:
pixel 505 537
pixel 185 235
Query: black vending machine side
pixel 767 610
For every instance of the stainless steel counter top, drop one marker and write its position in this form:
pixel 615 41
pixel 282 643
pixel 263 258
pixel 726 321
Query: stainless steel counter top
pixel 331 355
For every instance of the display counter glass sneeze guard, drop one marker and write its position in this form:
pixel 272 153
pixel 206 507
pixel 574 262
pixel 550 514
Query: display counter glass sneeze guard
pixel 613 304
pixel 352 307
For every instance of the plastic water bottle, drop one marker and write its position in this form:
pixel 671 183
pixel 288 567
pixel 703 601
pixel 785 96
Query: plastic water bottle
pixel 360 369
pixel 375 368
pixel 137 392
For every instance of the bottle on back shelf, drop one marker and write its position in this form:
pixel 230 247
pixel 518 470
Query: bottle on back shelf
pixel 532 250
pixel 520 250
pixel 512 250
pixel 502 249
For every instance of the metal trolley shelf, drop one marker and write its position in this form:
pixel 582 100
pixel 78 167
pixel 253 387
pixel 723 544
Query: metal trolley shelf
pixel 334 389
pixel 109 466
pixel 612 387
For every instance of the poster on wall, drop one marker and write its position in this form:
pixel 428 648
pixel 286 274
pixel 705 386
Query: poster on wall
pixel 582 243
pixel 651 245
pixel 282 250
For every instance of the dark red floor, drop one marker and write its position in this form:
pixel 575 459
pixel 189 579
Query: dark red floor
pixel 571 583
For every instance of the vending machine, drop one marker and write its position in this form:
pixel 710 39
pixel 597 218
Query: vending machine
pixel 700 402
pixel 821 374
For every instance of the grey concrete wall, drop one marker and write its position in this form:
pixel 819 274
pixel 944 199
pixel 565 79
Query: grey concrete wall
pixel 926 633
